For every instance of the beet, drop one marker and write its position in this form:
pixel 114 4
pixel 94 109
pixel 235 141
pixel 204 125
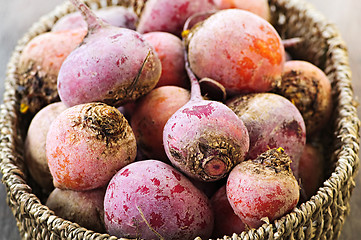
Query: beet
pixel 82 207
pixel 272 121
pixel 34 147
pixel 263 189
pixel 118 16
pixel 151 114
pixel 170 52
pixel 87 144
pixel 226 222
pixel 170 16
pixel 308 87
pixel 39 65
pixel 151 200
pixel 237 48
pixel 204 138
pixel 112 65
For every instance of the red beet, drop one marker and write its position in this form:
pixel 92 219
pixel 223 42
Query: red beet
pixel 226 222
pixel 263 188
pixel 112 65
pixel 204 138
pixel 39 65
pixel 150 199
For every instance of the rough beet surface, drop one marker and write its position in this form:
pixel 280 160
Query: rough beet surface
pixel 87 144
pixel 309 89
pixel 39 66
pixel 204 138
pixel 263 189
pixel 150 199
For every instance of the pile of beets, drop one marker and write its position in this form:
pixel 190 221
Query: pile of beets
pixel 188 120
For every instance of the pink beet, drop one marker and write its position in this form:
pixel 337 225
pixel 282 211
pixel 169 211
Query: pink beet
pixel 151 114
pixel 112 65
pixel 226 222
pixel 87 144
pixel 150 199
pixel 272 121
pixel 170 51
pixel 204 138
pixel 263 189
pixel 170 16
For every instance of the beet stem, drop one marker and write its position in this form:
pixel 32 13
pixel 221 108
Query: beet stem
pixel 91 19
pixel 195 87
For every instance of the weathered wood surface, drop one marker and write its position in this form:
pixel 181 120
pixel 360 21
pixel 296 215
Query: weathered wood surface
pixel 18 15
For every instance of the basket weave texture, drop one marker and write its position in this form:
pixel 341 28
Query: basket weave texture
pixel 322 217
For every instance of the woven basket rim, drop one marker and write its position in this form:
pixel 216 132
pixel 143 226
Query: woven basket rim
pixel 347 156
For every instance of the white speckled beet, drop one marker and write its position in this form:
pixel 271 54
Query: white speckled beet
pixel 204 139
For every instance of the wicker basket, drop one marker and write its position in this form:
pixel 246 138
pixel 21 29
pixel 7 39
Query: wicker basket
pixel 322 217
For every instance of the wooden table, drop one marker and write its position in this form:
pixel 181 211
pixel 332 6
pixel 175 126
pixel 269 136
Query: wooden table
pixel 18 15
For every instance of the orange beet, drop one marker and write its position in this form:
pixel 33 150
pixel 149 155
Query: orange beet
pixel 237 48
pixel 87 144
